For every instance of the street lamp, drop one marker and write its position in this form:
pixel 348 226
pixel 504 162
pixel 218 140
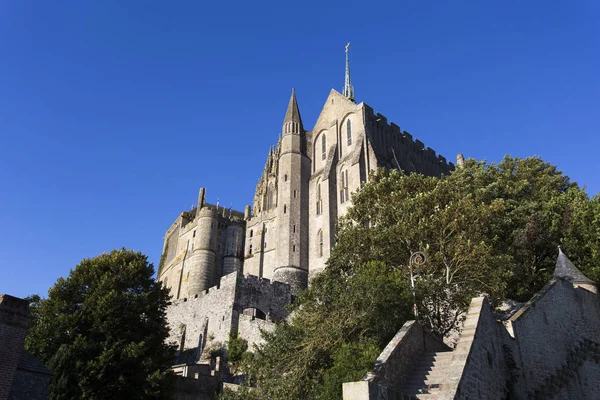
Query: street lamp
pixel 417 258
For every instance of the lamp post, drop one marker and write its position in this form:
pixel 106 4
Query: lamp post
pixel 416 258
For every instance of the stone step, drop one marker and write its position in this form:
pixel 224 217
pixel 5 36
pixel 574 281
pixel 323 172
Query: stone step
pixel 432 388
pixel 433 380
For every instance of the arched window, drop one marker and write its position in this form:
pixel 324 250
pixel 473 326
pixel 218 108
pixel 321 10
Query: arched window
pixel 320 243
pixel 323 147
pixel 349 132
pixel 319 201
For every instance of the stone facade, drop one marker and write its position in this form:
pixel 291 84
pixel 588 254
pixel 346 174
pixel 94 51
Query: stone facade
pixel 305 187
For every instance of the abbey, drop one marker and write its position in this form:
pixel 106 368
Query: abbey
pixel 306 185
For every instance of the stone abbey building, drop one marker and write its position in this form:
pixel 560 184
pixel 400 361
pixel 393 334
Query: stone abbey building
pixel 309 176
pixel 231 270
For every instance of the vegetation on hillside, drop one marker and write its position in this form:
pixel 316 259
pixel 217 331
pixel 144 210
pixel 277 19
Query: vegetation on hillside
pixel 102 330
pixel 488 229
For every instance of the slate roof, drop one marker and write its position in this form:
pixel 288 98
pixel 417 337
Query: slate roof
pixel 28 362
pixel 566 270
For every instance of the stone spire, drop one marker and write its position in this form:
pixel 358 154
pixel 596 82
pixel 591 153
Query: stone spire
pixel 292 123
pixel 348 88
pixel 566 270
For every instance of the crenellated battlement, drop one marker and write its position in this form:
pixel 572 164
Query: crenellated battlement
pixel 386 136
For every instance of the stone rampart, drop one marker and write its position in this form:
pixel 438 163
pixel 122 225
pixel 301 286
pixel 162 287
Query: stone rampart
pixel 216 312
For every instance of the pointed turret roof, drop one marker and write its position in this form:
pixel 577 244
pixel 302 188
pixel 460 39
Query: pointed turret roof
pixel 293 112
pixel 566 270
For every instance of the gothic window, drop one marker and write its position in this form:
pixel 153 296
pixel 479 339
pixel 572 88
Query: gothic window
pixel 344 194
pixel 349 132
pixel 320 243
pixel 323 147
pixel 319 201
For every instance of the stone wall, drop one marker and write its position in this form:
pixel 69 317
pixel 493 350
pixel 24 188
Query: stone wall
pixel 550 325
pixel 249 329
pixel 395 363
pixel 208 315
pixel 203 388
pixel 211 316
pixel 14 321
pixel 490 366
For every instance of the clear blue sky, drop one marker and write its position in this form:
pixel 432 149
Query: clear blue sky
pixel 114 113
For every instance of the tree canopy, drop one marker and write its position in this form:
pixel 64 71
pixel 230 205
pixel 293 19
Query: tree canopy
pixel 489 229
pixel 102 330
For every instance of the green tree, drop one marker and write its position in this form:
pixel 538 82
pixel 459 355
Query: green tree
pixel 103 331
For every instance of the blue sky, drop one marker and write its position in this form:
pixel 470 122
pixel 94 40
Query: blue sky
pixel 114 113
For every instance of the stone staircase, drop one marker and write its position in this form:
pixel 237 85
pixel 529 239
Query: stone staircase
pixel 436 375
pixel 585 349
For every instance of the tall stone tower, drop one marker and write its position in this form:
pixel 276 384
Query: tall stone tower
pixel 292 205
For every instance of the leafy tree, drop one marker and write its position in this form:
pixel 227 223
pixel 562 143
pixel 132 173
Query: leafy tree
pixel 237 351
pixel 103 331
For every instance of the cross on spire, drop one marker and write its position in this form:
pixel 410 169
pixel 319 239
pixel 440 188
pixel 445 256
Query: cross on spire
pixel 348 88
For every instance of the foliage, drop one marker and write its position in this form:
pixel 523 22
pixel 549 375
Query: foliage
pixel 102 330
pixel 237 350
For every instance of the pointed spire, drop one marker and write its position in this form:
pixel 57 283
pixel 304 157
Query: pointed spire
pixel 292 122
pixel 348 88
pixel 566 270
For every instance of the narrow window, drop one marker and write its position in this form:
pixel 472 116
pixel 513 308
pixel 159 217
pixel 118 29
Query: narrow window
pixel 349 132
pixel 295 193
pixel 285 178
pixel 194 234
pixel 344 193
pixel 250 251
pixel 320 243
pixel 251 232
pixel 319 202
pixel 294 248
pixel 294 228
pixel 284 208
pixel 323 147
pixel 265 245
